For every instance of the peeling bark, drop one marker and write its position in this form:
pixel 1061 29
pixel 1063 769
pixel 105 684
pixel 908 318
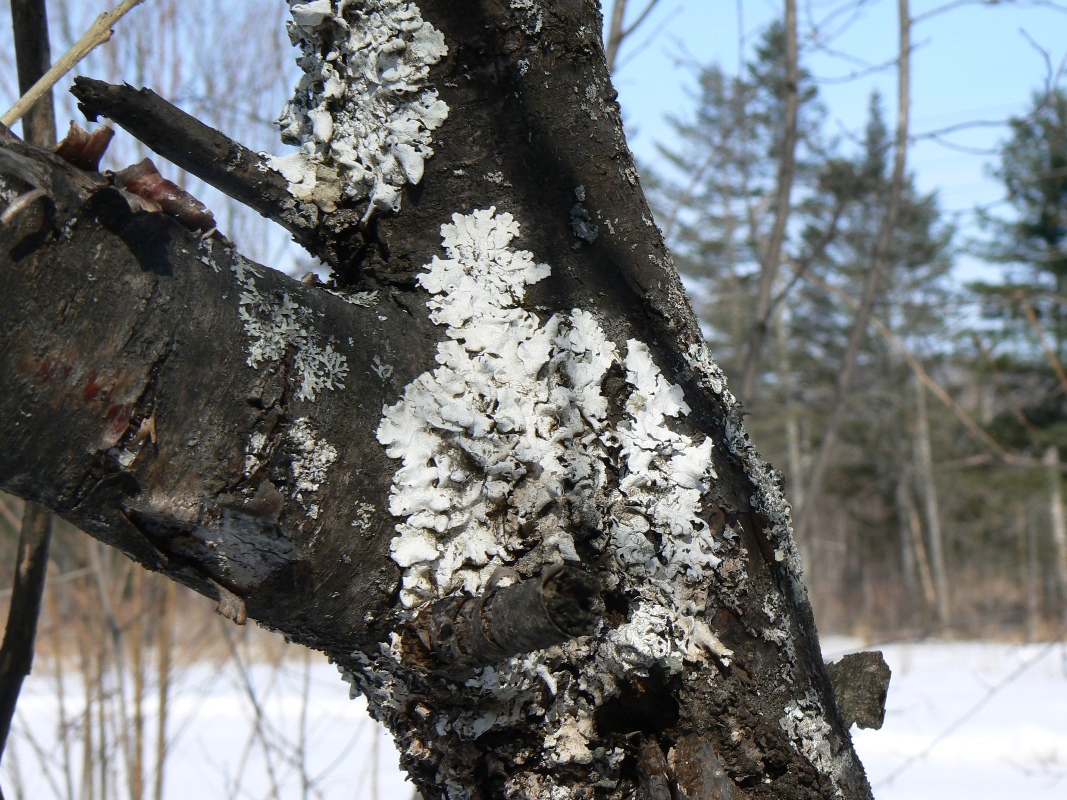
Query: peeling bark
pixel 265 477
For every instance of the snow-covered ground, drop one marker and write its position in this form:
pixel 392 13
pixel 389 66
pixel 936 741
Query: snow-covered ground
pixel 973 721
pixel 311 740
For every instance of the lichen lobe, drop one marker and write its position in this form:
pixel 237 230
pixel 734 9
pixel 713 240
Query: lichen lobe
pixel 509 458
pixel 362 113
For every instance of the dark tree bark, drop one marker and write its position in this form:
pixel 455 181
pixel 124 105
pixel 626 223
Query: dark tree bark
pixel 29 22
pixel 32 55
pixel 506 380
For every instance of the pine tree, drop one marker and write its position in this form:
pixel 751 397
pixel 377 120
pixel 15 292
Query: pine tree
pixel 1032 244
pixel 716 202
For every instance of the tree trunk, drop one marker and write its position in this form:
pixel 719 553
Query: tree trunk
pixel 924 473
pixel 493 472
pixel 1058 519
pixel 1031 574
pixel 615 33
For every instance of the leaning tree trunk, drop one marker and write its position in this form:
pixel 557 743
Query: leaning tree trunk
pixel 491 471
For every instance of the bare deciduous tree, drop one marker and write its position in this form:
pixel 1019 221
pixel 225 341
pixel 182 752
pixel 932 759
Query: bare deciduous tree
pixel 879 264
pixel 490 469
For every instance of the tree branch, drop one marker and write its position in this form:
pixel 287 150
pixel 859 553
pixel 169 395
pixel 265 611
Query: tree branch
pixel 213 157
pixel 30 23
pixel 459 633
pixel 220 493
pixel 771 259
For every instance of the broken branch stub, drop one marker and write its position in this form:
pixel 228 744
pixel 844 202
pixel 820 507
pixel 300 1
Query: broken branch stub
pixel 459 633
pixel 83 149
pixel 144 180
pixel 861 684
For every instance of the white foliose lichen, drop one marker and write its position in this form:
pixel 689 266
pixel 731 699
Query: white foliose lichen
pixel 275 325
pixel 311 459
pixel 507 447
pixel 362 113
pixel 7 194
pixel 254 452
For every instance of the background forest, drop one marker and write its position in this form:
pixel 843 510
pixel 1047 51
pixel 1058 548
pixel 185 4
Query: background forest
pixel 915 411
pixel 903 364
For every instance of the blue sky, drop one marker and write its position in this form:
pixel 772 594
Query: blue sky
pixel 972 62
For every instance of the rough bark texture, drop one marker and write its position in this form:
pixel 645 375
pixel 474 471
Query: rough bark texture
pixel 221 423
pixel 32 54
pixel 861 683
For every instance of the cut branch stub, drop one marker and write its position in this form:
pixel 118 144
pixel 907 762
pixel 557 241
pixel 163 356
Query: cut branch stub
pixel 861 683
pixel 83 149
pixel 464 632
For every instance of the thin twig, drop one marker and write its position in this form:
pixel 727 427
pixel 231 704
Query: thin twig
pixel 16 653
pixel 261 722
pixel 968 421
pixel 640 18
pixel 61 578
pixel 1050 353
pixel 99 32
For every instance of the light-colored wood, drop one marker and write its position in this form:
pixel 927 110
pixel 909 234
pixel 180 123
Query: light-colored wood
pixel 99 32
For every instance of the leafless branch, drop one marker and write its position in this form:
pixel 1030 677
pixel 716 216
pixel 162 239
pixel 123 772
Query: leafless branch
pixel 1050 353
pixel 879 266
pixel 933 12
pixel 854 9
pixel 771 258
pixel 652 36
pixel 619 31
pixel 991 444
pixel 960 126
pixel 873 69
pixel 99 32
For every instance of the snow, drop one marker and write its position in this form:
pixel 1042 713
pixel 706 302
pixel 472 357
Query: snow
pixel 1006 706
pixel 214 751
pixel 1006 742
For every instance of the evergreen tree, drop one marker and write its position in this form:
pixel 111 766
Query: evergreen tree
pixel 714 217
pixel 912 300
pixel 1032 244
pixel 717 201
